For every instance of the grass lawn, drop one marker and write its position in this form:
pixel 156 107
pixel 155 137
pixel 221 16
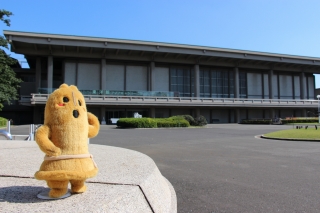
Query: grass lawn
pixel 311 134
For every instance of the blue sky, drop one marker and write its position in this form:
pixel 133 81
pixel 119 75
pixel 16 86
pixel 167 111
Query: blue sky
pixel 276 26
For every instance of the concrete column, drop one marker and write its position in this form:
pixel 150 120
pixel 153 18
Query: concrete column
pixel 152 112
pixel 236 83
pixel 151 79
pixel 36 115
pixel 272 113
pixel 50 74
pixel 304 113
pixel 196 80
pixel 102 114
pixel 237 116
pixel 270 77
pixel 302 85
pixel 38 75
pixel 197 112
pixel 103 75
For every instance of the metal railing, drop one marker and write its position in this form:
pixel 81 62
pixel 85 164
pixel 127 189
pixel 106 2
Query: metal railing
pixel 178 101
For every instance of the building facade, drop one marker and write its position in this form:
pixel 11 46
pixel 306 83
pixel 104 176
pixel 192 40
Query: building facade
pixel 120 77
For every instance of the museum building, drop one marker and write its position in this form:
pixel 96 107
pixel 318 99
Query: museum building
pixel 120 77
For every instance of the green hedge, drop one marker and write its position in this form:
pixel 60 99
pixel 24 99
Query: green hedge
pixel 3 122
pixel 300 121
pixel 136 123
pixel 262 121
pixel 175 121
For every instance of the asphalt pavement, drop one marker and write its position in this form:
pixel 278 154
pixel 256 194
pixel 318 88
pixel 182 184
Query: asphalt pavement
pixel 225 168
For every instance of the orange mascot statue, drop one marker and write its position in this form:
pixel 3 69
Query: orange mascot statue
pixel 64 140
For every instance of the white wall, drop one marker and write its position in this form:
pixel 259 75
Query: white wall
pixel 70 69
pixel 254 85
pixel 285 86
pixel 160 77
pixel 88 76
pixel 115 77
pixel 137 78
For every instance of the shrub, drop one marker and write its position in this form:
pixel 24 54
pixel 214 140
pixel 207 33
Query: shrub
pixel 190 119
pixel 136 123
pixel 200 121
pixel 3 122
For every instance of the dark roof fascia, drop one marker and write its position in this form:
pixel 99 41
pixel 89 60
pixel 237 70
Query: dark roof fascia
pixel 109 43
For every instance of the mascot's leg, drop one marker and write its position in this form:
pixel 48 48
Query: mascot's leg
pixel 58 188
pixel 77 186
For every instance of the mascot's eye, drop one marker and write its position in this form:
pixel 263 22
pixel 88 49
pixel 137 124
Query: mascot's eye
pixel 79 103
pixel 65 99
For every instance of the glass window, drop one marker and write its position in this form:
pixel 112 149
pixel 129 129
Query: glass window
pixel 181 81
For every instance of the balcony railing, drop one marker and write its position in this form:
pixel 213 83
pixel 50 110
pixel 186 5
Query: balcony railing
pixel 117 92
pixel 118 100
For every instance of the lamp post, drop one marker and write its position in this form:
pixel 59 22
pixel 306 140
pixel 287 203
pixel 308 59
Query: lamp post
pixel 318 96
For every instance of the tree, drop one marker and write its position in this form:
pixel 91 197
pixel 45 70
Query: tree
pixel 8 81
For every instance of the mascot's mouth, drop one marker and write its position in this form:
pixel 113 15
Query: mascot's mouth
pixel 75 113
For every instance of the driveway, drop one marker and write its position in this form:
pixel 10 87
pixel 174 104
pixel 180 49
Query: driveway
pixel 224 168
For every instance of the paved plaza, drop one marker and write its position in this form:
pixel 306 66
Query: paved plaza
pixel 225 168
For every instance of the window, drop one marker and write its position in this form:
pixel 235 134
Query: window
pixel 216 83
pixel 182 81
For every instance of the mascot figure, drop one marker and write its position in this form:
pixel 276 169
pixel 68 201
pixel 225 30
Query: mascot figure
pixel 64 140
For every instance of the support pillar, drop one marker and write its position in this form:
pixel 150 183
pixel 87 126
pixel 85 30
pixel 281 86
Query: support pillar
pixel 152 112
pixel 196 80
pixel 102 115
pixel 103 75
pixel 272 113
pixel 270 81
pixel 236 82
pixel 302 85
pixel 237 116
pixel 36 115
pixel 151 79
pixel 304 113
pixel 38 75
pixel 197 112
pixel 50 74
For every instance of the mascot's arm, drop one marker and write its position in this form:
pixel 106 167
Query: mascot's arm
pixel 94 125
pixel 44 143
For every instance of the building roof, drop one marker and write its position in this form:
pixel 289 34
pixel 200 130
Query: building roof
pixel 32 44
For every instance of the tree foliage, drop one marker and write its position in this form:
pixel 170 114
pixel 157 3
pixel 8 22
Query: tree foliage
pixel 8 81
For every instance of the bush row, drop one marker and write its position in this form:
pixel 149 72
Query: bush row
pixel 314 120
pixel 152 122
pixel 262 121
pixel 3 121
pixel 174 121
pixel 136 123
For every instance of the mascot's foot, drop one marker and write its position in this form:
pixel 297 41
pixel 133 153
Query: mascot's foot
pixel 58 188
pixel 45 196
pixel 77 186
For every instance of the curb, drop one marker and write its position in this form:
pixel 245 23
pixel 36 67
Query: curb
pixel 288 139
